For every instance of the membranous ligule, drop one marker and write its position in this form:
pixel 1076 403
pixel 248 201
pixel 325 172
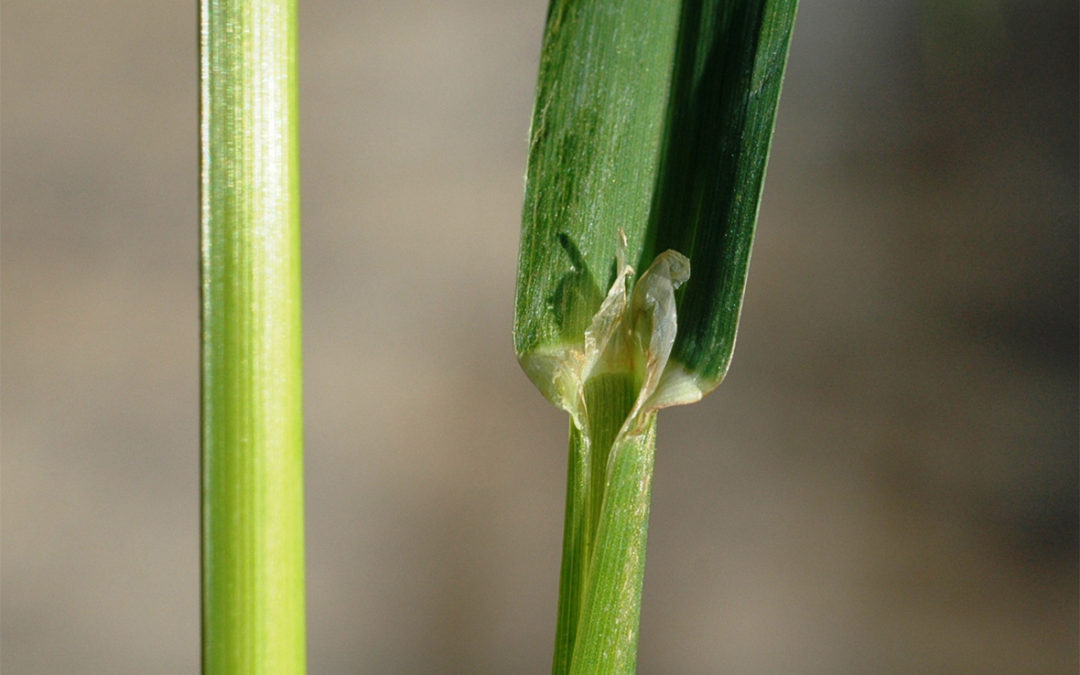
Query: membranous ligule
pixel 630 336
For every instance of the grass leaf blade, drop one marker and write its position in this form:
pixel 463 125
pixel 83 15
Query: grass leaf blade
pixel 724 93
pixel 594 147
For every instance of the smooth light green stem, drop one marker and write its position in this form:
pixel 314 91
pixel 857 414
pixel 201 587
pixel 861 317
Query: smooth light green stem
pixel 252 428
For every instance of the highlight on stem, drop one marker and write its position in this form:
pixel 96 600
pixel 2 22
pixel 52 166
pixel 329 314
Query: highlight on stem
pixel 252 426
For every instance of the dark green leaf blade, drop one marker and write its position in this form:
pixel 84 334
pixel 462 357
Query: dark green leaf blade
pixel 594 147
pixel 724 94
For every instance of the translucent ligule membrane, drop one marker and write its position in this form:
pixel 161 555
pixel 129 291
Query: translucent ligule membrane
pixel 652 327
pixel 631 333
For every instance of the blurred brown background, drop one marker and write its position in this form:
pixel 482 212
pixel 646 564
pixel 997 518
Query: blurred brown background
pixel 886 483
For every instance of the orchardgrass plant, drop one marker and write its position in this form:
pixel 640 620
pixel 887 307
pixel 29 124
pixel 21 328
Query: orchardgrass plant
pixel 647 152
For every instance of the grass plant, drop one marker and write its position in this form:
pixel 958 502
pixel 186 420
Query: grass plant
pixel 252 446
pixel 648 147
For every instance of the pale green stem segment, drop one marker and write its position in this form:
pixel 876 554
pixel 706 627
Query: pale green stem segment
pixel 611 608
pixel 607 513
pixel 252 436
pixel 609 398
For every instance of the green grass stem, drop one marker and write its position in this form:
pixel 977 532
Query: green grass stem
pixel 252 429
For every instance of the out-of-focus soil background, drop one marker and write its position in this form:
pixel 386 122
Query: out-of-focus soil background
pixel 886 482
